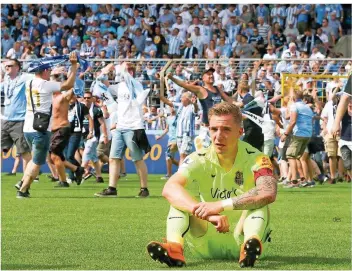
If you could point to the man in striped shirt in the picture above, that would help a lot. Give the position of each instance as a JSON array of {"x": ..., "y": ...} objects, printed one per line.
[
  {"x": 184, "y": 122},
  {"x": 264, "y": 30},
  {"x": 291, "y": 15},
  {"x": 175, "y": 43}
]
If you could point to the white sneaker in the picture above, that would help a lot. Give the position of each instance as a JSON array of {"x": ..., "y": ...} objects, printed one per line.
[{"x": 165, "y": 177}]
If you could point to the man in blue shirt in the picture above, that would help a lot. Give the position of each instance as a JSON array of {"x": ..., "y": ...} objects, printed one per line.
[
  {"x": 13, "y": 88},
  {"x": 302, "y": 17},
  {"x": 320, "y": 14},
  {"x": 301, "y": 127}
]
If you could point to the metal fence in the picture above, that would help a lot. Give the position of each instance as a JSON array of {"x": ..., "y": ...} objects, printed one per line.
[{"x": 150, "y": 71}]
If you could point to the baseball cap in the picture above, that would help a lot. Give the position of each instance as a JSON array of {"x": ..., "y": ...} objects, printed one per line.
[
  {"x": 148, "y": 39},
  {"x": 209, "y": 70}
]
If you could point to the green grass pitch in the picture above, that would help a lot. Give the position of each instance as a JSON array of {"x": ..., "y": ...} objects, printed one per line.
[{"x": 68, "y": 228}]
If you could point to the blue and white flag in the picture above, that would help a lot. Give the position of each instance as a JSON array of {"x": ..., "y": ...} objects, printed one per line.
[{"x": 44, "y": 63}]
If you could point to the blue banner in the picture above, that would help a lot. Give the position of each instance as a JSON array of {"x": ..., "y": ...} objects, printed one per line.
[{"x": 155, "y": 159}]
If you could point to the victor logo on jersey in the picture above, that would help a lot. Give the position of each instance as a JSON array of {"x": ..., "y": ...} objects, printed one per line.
[
  {"x": 224, "y": 194},
  {"x": 239, "y": 178}
]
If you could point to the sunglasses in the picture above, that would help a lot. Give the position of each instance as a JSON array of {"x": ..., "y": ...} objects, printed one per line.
[{"x": 87, "y": 98}]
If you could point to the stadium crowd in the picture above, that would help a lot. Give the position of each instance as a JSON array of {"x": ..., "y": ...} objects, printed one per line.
[
  {"x": 277, "y": 34},
  {"x": 82, "y": 83}
]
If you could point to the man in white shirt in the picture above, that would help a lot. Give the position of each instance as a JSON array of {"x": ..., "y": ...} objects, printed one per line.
[
  {"x": 186, "y": 16},
  {"x": 270, "y": 55},
  {"x": 227, "y": 85},
  {"x": 196, "y": 23},
  {"x": 291, "y": 52},
  {"x": 130, "y": 131},
  {"x": 226, "y": 14},
  {"x": 316, "y": 54},
  {"x": 181, "y": 27},
  {"x": 42, "y": 95}
]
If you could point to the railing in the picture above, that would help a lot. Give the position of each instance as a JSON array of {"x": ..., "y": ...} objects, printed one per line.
[{"x": 151, "y": 71}]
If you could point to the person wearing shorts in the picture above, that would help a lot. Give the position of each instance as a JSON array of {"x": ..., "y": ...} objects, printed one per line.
[
  {"x": 171, "y": 150},
  {"x": 42, "y": 93},
  {"x": 218, "y": 204},
  {"x": 185, "y": 122},
  {"x": 130, "y": 130},
  {"x": 14, "y": 89},
  {"x": 301, "y": 117}
]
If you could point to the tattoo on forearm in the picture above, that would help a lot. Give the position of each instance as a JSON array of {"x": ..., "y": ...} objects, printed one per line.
[{"x": 263, "y": 194}]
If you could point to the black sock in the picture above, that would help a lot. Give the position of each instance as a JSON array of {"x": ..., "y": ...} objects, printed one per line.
[
  {"x": 144, "y": 188},
  {"x": 112, "y": 188}
]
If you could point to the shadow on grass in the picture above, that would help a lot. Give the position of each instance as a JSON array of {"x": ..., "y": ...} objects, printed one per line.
[
  {"x": 279, "y": 262},
  {"x": 319, "y": 261},
  {"x": 37, "y": 267},
  {"x": 94, "y": 197}
]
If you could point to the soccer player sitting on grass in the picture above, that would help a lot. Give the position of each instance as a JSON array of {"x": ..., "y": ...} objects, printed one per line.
[{"x": 229, "y": 176}]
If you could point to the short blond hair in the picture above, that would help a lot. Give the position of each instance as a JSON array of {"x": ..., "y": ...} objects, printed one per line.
[{"x": 226, "y": 108}]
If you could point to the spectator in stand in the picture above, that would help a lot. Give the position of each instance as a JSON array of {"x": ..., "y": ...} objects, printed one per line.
[
  {"x": 150, "y": 49},
  {"x": 56, "y": 17},
  {"x": 175, "y": 42},
  {"x": 278, "y": 40},
  {"x": 233, "y": 27},
  {"x": 337, "y": 8},
  {"x": 36, "y": 25},
  {"x": 167, "y": 17},
  {"x": 227, "y": 14},
  {"x": 73, "y": 40},
  {"x": 302, "y": 13},
  {"x": 309, "y": 40},
  {"x": 17, "y": 30},
  {"x": 264, "y": 30},
  {"x": 320, "y": 13},
  {"x": 15, "y": 52},
  {"x": 66, "y": 20},
  {"x": 198, "y": 40},
  {"x": 257, "y": 41},
  {"x": 247, "y": 15},
  {"x": 270, "y": 55},
  {"x": 335, "y": 26},
  {"x": 263, "y": 12},
  {"x": 181, "y": 27},
  {"x": 211, "y": 52},
  {"x": 291, "y": 52},
  {"x": 327, "y": 30},
  {"x": 190, "y": 51},
  {"x": 87, "y": 49},
  {"x": 278, "y": 15},
  {"x": 6, "y": 43},
  {"x": 291, "y": 32},
  {"x": 223, "y": 49},
  {"x": 139, "y": 40}
]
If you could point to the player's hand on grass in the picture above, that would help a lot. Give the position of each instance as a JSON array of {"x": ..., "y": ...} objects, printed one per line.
[
  {"x": 220, "y": 222},
  {"x": 204, "y": 209}
]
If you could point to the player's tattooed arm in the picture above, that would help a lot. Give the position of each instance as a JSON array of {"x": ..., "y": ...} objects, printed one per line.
[{"x": 263, "y": 194}]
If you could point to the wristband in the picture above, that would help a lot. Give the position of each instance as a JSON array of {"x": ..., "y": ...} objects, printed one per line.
[{"x": 227, "y": 204}]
